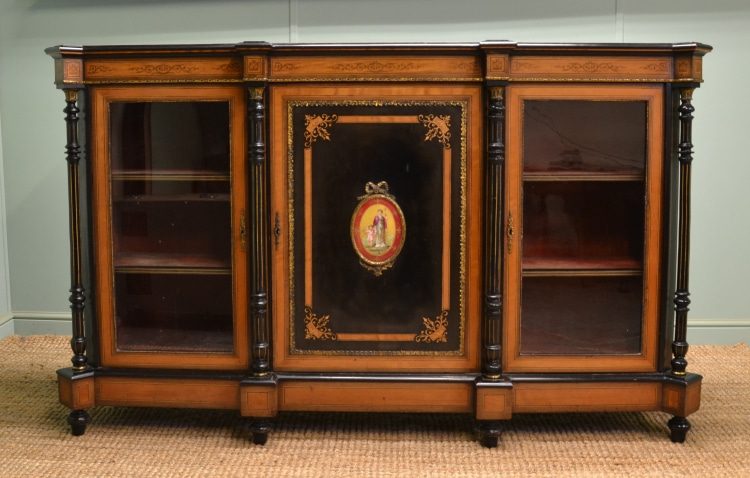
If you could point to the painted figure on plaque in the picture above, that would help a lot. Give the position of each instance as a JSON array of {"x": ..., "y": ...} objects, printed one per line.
[{"x": 380, "y": 224}]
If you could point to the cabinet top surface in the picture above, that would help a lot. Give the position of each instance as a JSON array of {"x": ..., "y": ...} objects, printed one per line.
[{"x": 426, "y": 47}]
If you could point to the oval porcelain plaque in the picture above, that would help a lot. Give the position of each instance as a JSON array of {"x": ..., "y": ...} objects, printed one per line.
[{"x": 378, "y": 228}]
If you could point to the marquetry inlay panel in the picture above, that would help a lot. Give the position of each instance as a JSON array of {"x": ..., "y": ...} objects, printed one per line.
[
  {"x": 391, "y": 68},
  {"x": 680, "y": 398},
  {"x": 158, "y": 70},
  {"x": 497, "y": 67},
  {"x": 688, "y": 68},
  {"x": 494, "y": 403},
  {"x": 555, "y": 68},
  {"x": 258, "y": 401},
  {"x": 256, "y": 68},
  {"x": 76, "y": 394}
]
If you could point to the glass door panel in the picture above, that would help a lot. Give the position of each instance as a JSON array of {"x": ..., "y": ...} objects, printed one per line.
[
  {"x": 583, "y": 225},
  {"x": 581, "y": 315},
  {"x": 168, "y": 224},
  {"x": 580, "y": 176},
  {"x": 173, "y": 311},
  {"x": 169, "y": 137},
  {"x": 587, "y": 137},
  {"x": 171, "y": 225},
  {"x": 175, "y": 181},
  {"x": 583, "y": 194}
]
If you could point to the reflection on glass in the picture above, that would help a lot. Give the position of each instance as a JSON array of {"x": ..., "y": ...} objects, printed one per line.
[
  {"x": 173, "y": 312},
  {"x": 187, "y": 137},
  {"x": 168, "y": 223},
  {"x": 583, "y": 227},
  {"x": 590, "y": 136},
  {"x": 581, "y": 315},
  {"x": 583, "y": 223},
  {"x": 171, "y": 223}
]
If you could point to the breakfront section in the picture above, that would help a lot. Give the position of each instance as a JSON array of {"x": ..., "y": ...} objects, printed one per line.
[{"x": 489, "y": 229}]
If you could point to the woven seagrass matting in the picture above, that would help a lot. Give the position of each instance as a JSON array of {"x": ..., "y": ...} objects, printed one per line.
[{"x": 35, "y": 441}]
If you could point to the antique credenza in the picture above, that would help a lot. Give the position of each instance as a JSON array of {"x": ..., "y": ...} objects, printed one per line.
[{"x": 483, "y": 228}]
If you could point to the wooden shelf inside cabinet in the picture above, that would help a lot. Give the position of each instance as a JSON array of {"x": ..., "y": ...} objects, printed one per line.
[
  {"x": 570, "y": 176},
  {"x": 169, "y": 175},
  {"x": 161, "y": 263},
  {"x": 172, "y": 199},
  {"x": 149, "y": 339},
  {"x": 569, "y": 267}
]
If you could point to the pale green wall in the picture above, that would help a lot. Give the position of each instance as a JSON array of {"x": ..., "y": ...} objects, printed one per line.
[
  {"x": 4, "y": 276},
  {"x": 33, "y": 128}
]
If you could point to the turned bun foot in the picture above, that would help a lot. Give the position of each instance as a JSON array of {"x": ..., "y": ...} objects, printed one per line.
[
  {"x": 260, "y": 430},
  {"x": 678, "y": 428},
  {"x": 489, "y": 432},
  {"x": 78, "y": 419}
]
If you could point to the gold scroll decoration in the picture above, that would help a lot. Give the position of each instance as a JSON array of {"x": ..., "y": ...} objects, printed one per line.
[
  {"x": 316, "y": 327},
  {"x": 438, "y": 127},
  {"x": 435, "y": 330},
  {"x": 316, "y": 126}
]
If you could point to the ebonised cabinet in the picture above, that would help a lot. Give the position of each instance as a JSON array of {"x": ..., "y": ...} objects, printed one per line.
[{"x": 489, "y": 228}]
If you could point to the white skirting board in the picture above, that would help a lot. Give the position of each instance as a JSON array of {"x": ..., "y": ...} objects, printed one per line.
[
  {"x": 6, "y": 325},
  {"x": 700, "y": 331}
]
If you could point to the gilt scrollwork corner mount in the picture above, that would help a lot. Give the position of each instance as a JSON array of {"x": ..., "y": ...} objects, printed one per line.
[
  {"x": 316, "y": 327},
  {"x": 438, "y": 127},
  {"x": 316, "y": 127},
  {"x": 435, "y": 330}
]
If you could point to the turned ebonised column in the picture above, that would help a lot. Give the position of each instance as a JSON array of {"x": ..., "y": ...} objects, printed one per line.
[
  {"x": 78, "y": 419},
  {"x": 493, "y": 259},
  {"x": 261, "y": 364},
  {"x": 490, "y": 430},
  {"x": 77, "y": 293},
  {"x": 682, "y": 295},
  {"x": 679, "y": 425}
]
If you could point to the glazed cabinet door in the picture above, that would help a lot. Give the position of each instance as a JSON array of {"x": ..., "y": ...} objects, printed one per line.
[
  {"x": 169, "y": 223},
  {"x": 375, "y": 204},
  {"x": 582, "y": 228}
]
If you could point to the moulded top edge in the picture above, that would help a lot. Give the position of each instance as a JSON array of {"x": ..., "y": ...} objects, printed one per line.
[
  {"x": 501, "y": 45},
  {"x": 668, "y": 47}
]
